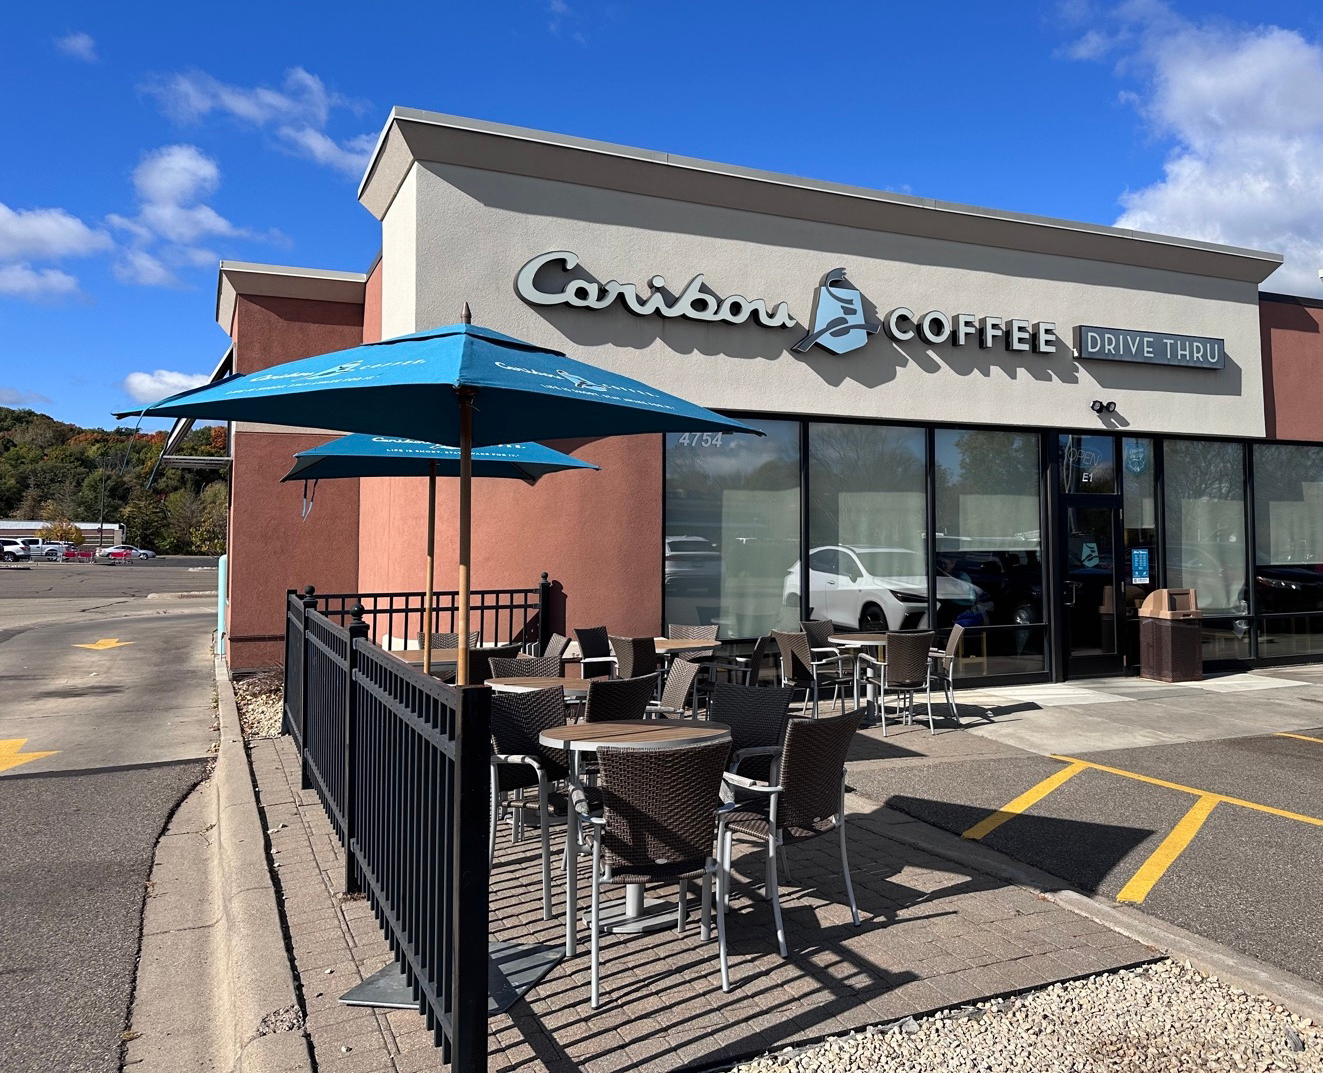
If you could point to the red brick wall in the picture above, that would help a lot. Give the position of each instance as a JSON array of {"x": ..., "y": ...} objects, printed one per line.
[
  {"x": 271, "y": 549},
  {"x": 1292, "y": 331}
]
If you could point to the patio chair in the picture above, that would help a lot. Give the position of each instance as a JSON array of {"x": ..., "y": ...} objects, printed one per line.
[
  {"x": 906, "y": 669},
  {"x": 450, "y": 640},
  {"x": 694, "y": 633},
  {"x": 595, "y": 656},
  {"x": 819, "y": 631},
  {"x": 613, "y": 699},
  {"x": 520, "y": 763},
  {"x": 480, "y": 661},
  {"x": 634, "y": 655},
  {"x": 679, "y": 695},
  {"x": 743, "y": 670},
  {"x": 943, "y": 669},
  {"x": 655, "y": 826},
  {"x": 556, "y": 645},
  {"x": 757, "y": 719},
  {"x": 525, "y": 667},
  {"x": 808, "y": 801},
  {"x": 800, "y": 670}
]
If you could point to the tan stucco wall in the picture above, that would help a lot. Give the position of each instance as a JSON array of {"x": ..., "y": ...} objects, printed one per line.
[{"x": 472, "y": 230}]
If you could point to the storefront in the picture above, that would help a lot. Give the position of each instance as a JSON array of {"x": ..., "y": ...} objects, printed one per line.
[{"x": 1016, "y": 424}]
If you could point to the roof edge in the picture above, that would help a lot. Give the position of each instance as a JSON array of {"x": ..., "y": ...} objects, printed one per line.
[{"x": 234, "y": 278}]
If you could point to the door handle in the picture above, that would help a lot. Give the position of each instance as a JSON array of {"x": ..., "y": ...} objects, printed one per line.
[{"x": 1074, "y": 587}]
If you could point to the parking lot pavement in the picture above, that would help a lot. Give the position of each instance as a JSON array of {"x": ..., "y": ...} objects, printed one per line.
[
  {"x": 105, "y": 724},
  {"x": 1223, "y": 838}
]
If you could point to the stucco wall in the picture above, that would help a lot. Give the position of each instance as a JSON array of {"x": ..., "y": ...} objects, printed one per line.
[
  {"x": 500, "y": 221},
  {"x": 1293, "y": 367},
  {"x": 598, "y": 535},
  {"x": 270, "y": 549}
]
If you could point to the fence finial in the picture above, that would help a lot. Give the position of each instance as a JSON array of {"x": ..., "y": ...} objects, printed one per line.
[
  {"x": 309, "y": 590},
  {"x": 356, "y": 612}
]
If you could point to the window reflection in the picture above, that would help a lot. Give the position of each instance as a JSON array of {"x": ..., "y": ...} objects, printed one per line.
[
  {"x": 1205, "y": 489},
  {"x": 732, "y": 529},
  {"x": 1288, "y": 520},
  {"x": 868, "y": 558}
]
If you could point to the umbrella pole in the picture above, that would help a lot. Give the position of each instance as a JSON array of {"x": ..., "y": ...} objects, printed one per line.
[
  {"x": 431, "y": 564},
  {"x": 465, "y": 524}
]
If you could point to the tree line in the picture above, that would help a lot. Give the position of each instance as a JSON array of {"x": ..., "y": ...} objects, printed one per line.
[{"x": 59, "y": 473}]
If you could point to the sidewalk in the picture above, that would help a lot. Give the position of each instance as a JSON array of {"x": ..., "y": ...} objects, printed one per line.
[{"x": 934, "y": 935}]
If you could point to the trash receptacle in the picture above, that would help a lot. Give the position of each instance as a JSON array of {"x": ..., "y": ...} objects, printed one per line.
[{"x": 1171, "y": 643}]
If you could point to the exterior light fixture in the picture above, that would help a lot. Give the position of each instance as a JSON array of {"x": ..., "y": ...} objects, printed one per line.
[{"x": 1099, "y": 407}]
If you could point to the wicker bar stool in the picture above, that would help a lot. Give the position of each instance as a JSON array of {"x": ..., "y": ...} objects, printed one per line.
[
  {"x": 808, "y": 801},
  {"x": 520, "y": 763},
  {"x": 656, "y": 825}
]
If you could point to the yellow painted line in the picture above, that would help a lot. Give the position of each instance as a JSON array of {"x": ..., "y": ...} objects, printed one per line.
[
  {"x": 989, "y": 824},
  {"x": 11, "y": 753},
  {"x": 1161, "y": 858},
  {"x": 1192, "y": 790},
  {"x": 107, "y": 642},
  {"x": 1299, "y": 737}
]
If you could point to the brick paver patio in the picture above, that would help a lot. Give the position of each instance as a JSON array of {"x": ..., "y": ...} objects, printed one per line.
[{"x": 934, "y": 935}]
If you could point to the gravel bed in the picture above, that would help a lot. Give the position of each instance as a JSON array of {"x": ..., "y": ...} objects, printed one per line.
[
  {"x": 1163, "y": 1016},
  {"x": 260, "y": 703}
]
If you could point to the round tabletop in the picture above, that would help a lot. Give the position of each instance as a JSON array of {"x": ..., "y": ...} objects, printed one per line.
[
  {"x": 858, "y": 640},
  {"x": 635, "y": 734},
  {"x": 667, "y": 645},
  {"x": 414, "y": 656},
  {"x": 575, "y": 686}
]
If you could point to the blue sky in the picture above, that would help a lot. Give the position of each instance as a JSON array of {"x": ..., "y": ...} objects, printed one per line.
[{"x": 144, "y": 142}]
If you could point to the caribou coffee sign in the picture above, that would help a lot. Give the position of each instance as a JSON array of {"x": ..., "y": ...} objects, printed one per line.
[{"x": 843, "y": 320}]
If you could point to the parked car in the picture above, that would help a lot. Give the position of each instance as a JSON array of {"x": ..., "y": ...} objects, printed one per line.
[
  {"x": 125, "y": 551},
  {"x": 875, "y": 588},
  {"x": 44, "y": 549},
  {"x": 13, "y": 551},
  {"x": 692, "y": 566}
]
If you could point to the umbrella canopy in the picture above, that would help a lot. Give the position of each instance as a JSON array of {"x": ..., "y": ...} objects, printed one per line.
[
  {"x": 389, "y": 456},
  {"x": 406, "y": 386},
  {"x": 360, "y": 455},
  {"x": 459, "y": 384}
]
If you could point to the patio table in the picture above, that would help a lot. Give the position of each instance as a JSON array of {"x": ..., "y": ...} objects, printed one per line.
[
  {"x": 877, "y": 642},
  {"x": 575, "y": 688},
  {"x": 638, "y": 913}
]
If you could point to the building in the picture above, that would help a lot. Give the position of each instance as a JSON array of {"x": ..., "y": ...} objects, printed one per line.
[
  {"x": 95, "y": 534},
  {"x": 1018, "y": 424}
]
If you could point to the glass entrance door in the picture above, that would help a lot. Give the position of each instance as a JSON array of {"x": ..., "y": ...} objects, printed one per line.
[{"x": 1093, "y": 607}]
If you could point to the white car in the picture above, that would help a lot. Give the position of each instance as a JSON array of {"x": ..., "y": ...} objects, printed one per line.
[
  {"x": 872, "y": 588},
  {"x": 125, "y": 551},
  {"x": 12, "y": 551}
]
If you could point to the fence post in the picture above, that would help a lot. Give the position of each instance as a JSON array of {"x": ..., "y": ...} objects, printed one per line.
[
  {"x": 358, "y": 630},
  {"x": 469, "y": 895},
  {"x": 543, "y": 613},
  {"x": 309, "y": 601}
]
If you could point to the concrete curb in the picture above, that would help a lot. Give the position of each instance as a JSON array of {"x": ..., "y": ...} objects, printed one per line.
[
  {"x": 260, "y": 981},
  {"x": 1239, "y": 970}
]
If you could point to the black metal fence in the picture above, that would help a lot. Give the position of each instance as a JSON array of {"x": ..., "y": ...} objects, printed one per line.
[
  {"x": 523, "y": 616},
  {"x": 400, "y": 762}
]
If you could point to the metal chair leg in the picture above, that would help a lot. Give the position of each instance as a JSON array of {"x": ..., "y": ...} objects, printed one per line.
[
  {"x": 544, "y": 822},
  {"x": 705, "y": 924},
  {"x": 845, "y": 864},
  {"x": 723, "y": 881},
  {"x": 931, "y": 728},
  {"x": 785, "y": 863},
  {"x": 595, "y": 918},
  {"x": 729, "y": 852},
  {"x": 496, "y": 816},
  {"x": 682, "y": 907},
  {"x": 776, "y": 897}
]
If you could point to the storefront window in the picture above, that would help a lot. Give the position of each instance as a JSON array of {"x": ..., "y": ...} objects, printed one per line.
[
  {"x": 868, "y": 558},
  {"x": 1139, "y": 524},
  {"x": 989, "y": 546},
  {"x": 1206, "y": 523},
  {"x": 1288, "y": 529},
  {"x": 732, "y": 530},
  {"x": 1088, "y": 464}
]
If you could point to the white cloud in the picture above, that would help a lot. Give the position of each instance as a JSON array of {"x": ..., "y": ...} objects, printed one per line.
[
  {"x": 10, "y": 396},
  {"x": 153, "y": 386},
  {"x": 78, "y": 45},
  {"x": 1243, "y": 108},
  {"x": 297, "y": 114},
  {"x": 36, "y": 284},
  {"x": 46, "y": 234},
  {"x": 171, "y": 183}
]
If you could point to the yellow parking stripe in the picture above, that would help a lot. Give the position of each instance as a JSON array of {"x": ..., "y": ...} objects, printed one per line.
[
  {"x": 1299, "y": 737},
  {"x": 989, "y": 824},
  {"x": 1191, "y": 790},
  {"x": 1161, "y": 858}
]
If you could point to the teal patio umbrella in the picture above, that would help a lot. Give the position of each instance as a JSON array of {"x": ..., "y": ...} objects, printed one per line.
[
  {"x": 458, "y": 384},
  {"x": 361, "y": 455}
]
